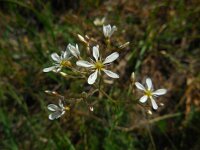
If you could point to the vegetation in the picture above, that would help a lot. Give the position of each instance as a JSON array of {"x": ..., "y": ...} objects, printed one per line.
[{"x": 164, "y": 45}]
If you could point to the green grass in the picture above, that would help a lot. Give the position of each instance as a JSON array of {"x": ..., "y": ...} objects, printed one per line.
[{"x": 164, "y": 44}]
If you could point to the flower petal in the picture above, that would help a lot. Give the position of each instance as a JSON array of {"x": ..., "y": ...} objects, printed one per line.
[
  {"x": 111, "y": 74},
  {"x": 52, "y": 107},
  {"x": 160, "y": 92},
  {"x": 96, "y": 52},
  {"x": 63, "y": 112},
  {"x": 84, "y": 63},
  {"x": 149, "y": 83},
  {"x": 77, "y": 50},
  {"x": 106, "y": 30},
  {"x": 111, "y": 58},
  {"x": 61, "y": 104},
  {"x": 59, "y": 69},
  {"x": 139, "y": 86},
  {"x": 92, "y": 78},
  {"x": 143, "y": 99},
  {"x": 153, "y": 102},
  {"x": 114, "y": 28},
  {"x": 49, "y": 69},
  {"x": 66, "y": 55},
  {"x": 74, "y": 50},
  {"x": 55, "y": 115},
  {"x": 55, "y": 57}
]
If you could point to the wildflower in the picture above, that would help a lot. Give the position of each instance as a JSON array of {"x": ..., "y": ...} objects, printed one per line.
[
  {"x": 98, "y": 65},
  {"x": 149, "y": 92},
  {"x": 99, "y": 22},
  {"x": 60, "y": 61},
  {"x": 74, "y": 50},
  {"x": 58, "y": 111},
  {"x": 108, "y": 30}
]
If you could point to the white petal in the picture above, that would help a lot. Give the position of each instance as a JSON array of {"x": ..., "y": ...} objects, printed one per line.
[
  {"x": 55, "y": 115},
  {"x": 111, "y": 74},
  {"x": 111, "y": 58},
  {"x": 153, "y": 102},
  {"x": 96, "y": 52},
  {"x": 55, "y": 57},
  {"x": 84, "y": 63},
  {"x": 92, "y": 78},
  {"x": 74, "y": 50},
  {"x": 66, "y": 55},
  {"x": 114, "y": 28},
  {"x": 63, "y": 112},
  {"x": 160, "y": 92},
  {"x": 59, "y": 69},
  {"x": 49, "y": 69},
  {"x": 139, "y": 86},
  {"x": 53, "y": 107},
  {"x": 143, "y": 99},
  {"x": 106, "y": 30},
  {"x": 60, "y": 104},
  {"x": 77, "y": 50},
  {"x": 149, "y": 83}
]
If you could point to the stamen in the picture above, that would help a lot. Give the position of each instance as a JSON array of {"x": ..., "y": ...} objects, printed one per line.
[
  {"x": 65, "y": 63},
  {"x": 148, "y": 93},
  {"x": 67, "y": 108},
  {"x": 99, "y": 65}
]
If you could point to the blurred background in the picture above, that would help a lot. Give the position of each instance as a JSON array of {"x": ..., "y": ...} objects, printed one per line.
[{"x": 164, "y": 41}]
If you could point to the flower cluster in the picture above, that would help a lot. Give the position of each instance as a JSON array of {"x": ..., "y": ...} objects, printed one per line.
[{"x": 94, "y": 68}]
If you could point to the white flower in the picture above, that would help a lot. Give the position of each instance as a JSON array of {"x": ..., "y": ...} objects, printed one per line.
[
  {"x": 58, "y": 111},
  {"x": 149, "y": 92},
  {"x": 99, "y": 22},
  {"x": 59, "y": 61},
  {"x": 98, "y": 65},
  {"x": 108, "y": 30},
  {"x": 74, "y": 50}
]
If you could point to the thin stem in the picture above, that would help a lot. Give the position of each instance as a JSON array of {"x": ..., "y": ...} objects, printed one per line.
[
  {"x": 149, "y": 131},
  {"x": 151, "y": 137},
  {"x": 105, "y": 94},
  {"x": 133, "y": 127},
  {"x": 99, "y": 85}
]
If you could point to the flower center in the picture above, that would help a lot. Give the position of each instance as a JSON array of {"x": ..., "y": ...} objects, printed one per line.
[
  {"x": 99, "y": 65},
  {"x": 65, "y": 63},
  {"x": 148, "y": 93},
  {"x": 67, "y": 108}
]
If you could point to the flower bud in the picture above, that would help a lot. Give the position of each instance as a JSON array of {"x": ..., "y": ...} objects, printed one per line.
[
  {"x": 132, "y": 76},
  {"x": 124, "y": 45}
]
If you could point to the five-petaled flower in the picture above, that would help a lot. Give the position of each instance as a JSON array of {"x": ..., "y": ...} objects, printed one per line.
[
  {"x": 74, "y": 50},
  {"x": 59, "y": 61},
  {"x": 98, "y": 65},
  {"x": 149, "y": 92},
  {"x": 58, "y": 111},
  {"x": 108, "y": 30}
]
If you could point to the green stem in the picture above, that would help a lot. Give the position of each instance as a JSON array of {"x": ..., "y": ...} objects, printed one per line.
[{"x": 99, "y": 85}]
